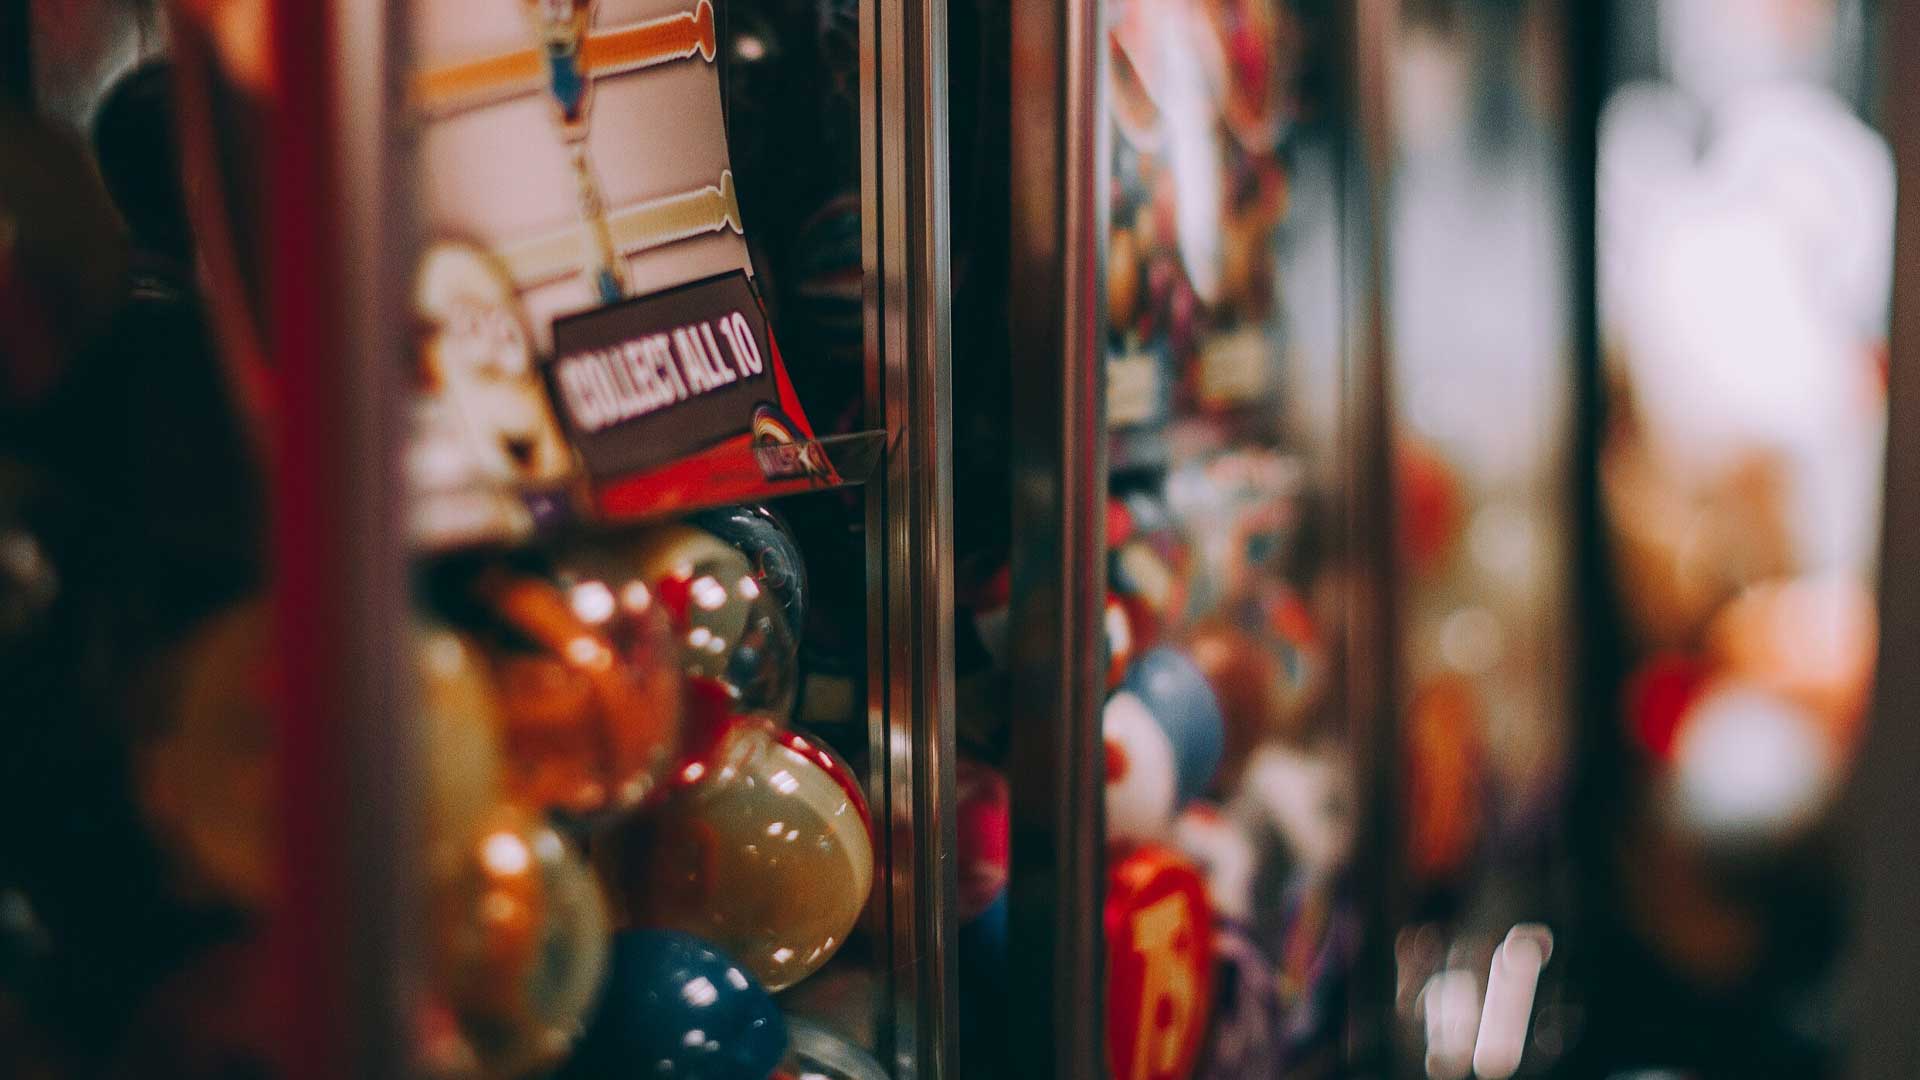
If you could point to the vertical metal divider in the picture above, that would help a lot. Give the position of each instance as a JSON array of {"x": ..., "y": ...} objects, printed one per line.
[
  {"x": 1598, "y": 662},
  {"x": 345, "y": 938},
  {"x": 16, "y": 53},
  {"x": 1058, "y": 179},
  {"x": 1882, "y": 974},
  {"x": 1371, "y": 648},
  {"x": 909, "y": 516}
]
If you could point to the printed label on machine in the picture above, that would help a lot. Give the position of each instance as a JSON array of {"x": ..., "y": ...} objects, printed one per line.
[{"x": 644, "y": 382}]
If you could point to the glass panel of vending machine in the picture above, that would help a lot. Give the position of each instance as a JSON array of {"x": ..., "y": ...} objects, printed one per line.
[
  {"x": 1744, "y": 223},
  {"x": 1478, "y": 284},
  {"x": 1168, "y": 617},
  {"x": 1230, "y": 781},
  {"x": 474, "y": 502}
]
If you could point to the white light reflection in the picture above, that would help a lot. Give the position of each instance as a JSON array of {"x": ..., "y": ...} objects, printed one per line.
[
  {"x": 505, "y": 854},
  {"x": 707, "y": 592},
  {"x": 586, "y": 652},
  {"x": 700, "y": 992},
  {"x": 749, "y": 588},
  {"x": 636, "y": 597},
  {"x": 1749, "y": 766},
  {"x": 1509, "y": 1007},
  {"x": 1451, "y": 1002},
  {"x": 783, "y": 782},
  {"x": 592, "y": 601}
]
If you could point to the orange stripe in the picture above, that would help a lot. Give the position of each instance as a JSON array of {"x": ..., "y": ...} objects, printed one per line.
[
  {"x": 672, "y": 38},
  {"x": 656, "y": 41},
  {"x": 477, "y": 77}
]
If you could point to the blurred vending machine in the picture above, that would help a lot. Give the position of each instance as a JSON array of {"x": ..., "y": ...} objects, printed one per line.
[{"x": 1736, "y": 416}]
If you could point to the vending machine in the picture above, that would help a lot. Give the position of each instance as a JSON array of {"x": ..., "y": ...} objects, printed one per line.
[
  {"x": 1744, "y": 228},
  {"x": 1155, "y": 539},
  {"x": 477, "y": 510}
]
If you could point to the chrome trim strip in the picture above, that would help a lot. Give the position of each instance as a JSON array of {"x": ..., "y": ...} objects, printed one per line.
[
  {"x": 907, "y": 302},
  {"x": 1057, "y": 308}
]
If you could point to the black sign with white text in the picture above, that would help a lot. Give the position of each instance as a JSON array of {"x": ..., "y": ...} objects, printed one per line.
[{"x": 642, "y": 383}]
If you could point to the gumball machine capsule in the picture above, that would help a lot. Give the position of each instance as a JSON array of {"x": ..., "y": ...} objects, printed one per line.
[
  {"x": 771, "y": 549},
  {"x": 675, "y": 1006},
  {"x": 763, "y": 848},
  {"x": 590, "y": 697},
  {"x": 207, "y": 781},
  {"x": 519, "y": 946},
  {"x": 733, "y": 627},
  {"x": 462, "y": 716}
]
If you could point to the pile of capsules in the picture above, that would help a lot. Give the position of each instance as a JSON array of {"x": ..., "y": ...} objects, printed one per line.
[
  {"x": 1228, "y": 811},
  {"x": 627, "y": 851}
]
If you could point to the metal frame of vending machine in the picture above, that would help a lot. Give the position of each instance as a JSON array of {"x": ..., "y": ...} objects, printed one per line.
[
  {"x": 909, "y": 335},
  {"x": 342, "y": 213},
  {"x": 1883, "y": 965},
  {"x": 1058, "y": 229}
]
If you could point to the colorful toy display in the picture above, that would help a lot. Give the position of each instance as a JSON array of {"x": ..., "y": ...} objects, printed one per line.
[
  {"x": 763, "y": 848},
  {"x": 1122, "y": 640},
  {"x": 675, "y": 1006}
]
